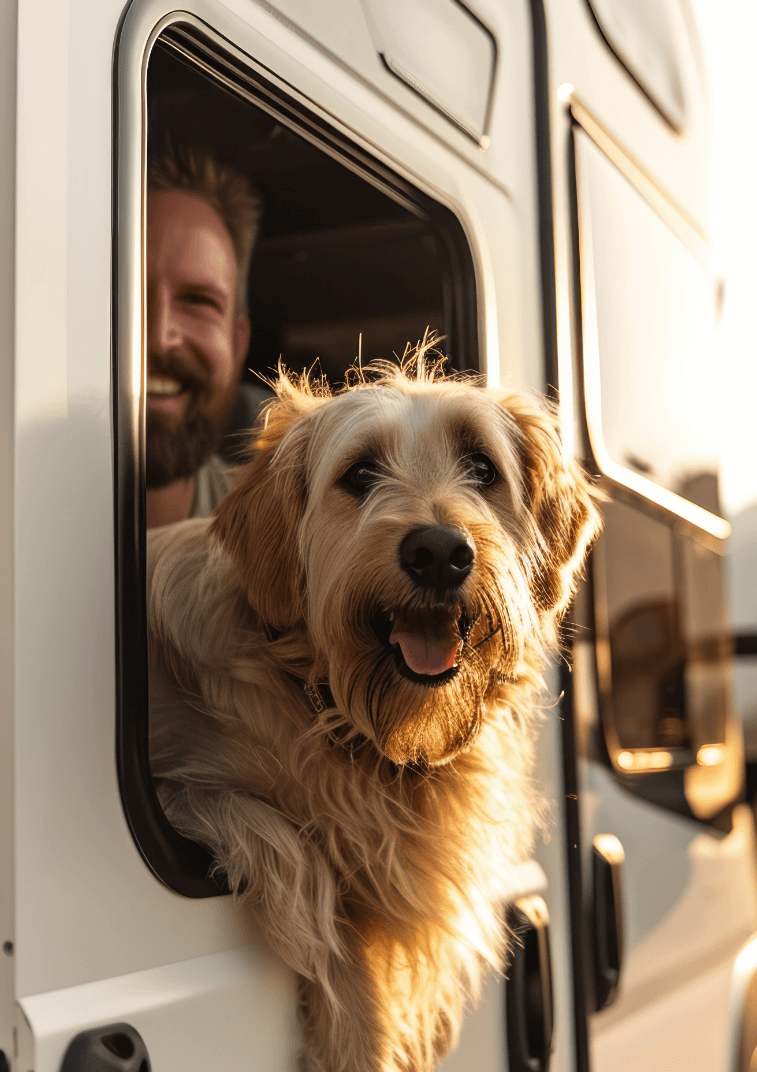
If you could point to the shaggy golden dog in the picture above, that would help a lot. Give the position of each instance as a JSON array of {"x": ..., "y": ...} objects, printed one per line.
[{"x": 346, "y": 665}]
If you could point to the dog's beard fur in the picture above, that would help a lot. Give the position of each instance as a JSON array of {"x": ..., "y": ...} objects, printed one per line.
[
  {"x": 376, "y": 838},
  {"x": 412, "y": 721}
]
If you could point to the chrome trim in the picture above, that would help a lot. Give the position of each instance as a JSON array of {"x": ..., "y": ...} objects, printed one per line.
[
  {"x": 669, "y": 211},
  {"x": 744, "y": 970},
  {"x": 315, "y": 136},
  {"x": 158, "y": 843},
  {"x": 699, "y": 519}
]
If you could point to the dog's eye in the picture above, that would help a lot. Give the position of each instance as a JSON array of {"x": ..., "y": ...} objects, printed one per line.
[
  {"x": 359, "y": 478},
  {"x": 481, "y": 469}
]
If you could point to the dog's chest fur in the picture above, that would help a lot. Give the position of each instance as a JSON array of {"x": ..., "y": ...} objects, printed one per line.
[
  {"x": 250, "y": 727},
  {"x": 411, "y": 545}
]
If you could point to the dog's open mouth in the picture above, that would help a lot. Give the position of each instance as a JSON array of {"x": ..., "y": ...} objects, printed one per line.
[{"x": 426, "y": 646}]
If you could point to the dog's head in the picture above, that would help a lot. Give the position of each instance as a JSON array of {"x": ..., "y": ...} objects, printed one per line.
[{"x": 427, "y": 534}]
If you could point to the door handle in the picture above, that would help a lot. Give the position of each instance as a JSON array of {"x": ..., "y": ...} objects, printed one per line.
[
  {"x": 528, "y": 1000},
  {"x": 113, "y": 1048},
  {"x": 607, "y": 922}
]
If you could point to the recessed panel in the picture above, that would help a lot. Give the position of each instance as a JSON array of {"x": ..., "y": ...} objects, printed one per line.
[
  {"x": 441, "y": 51},
  {"x": 648, "y": 36}
]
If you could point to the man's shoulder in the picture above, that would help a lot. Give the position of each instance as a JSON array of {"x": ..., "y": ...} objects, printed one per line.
[{"x": 213, "y": 481}]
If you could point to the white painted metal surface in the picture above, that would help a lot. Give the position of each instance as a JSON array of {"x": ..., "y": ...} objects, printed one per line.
[
  {"x": 690, "y": 891},
  {"x": 236, "y": 1008},
  {"x": 95, "y": 936},
  {"x": 7, "y": 199}
]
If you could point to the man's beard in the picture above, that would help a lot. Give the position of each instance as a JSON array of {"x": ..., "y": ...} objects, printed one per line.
[{"x": 176, "y": 448}]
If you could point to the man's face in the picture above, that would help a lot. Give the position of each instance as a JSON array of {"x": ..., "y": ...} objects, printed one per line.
[{"x": 196, "y": 342}]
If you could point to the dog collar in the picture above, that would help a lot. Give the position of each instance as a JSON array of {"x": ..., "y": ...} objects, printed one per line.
[{"x": 318, "y": 693}]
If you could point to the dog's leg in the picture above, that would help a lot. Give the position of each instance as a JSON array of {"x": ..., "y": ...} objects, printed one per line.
[
  {"x": 348, "y": 1034},
  {"x": 395, "y": 1012},
  {"x": 422, "y": 981},
  {"x": 288, "y": 882}
]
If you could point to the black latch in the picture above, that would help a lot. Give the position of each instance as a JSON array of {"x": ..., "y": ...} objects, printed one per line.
[
  {"x": 607, "y": 922},
  {"x": 113, "y": 1048},
  {"x": 529, "y": 1007}
]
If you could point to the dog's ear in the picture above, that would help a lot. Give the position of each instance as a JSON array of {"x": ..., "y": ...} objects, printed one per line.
[
  {"x": 559, "y": 496},
  {"x": 258, "y": 521}
]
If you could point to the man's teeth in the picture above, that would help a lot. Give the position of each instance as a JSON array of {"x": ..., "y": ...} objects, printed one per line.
[{"x": 163, "y": 385}]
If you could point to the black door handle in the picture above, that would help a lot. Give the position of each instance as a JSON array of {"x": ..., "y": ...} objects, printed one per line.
[
  {"x": 607, "y": 922},
  {"x": 529, "y": 1008},
  {"x": 113, "y": 1048}
]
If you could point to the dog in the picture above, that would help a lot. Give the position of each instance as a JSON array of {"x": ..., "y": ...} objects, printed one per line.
[{"x": 345, "y": 673}]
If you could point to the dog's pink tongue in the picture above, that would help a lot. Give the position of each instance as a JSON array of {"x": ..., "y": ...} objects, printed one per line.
[{"x": 427, "y": 651}]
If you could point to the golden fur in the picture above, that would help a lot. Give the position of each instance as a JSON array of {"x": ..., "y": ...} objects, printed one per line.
[{"x": 375, "y": 838}]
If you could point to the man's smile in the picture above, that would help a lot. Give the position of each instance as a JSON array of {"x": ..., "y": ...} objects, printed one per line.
[
  {"x": 166, "y": 394},
  {"x": 164, "y": 386}
]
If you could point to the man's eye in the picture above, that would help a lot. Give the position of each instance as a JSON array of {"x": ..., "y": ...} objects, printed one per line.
[
  {"x": 481, "y": 469},
  {"x": 202, "y": 300},
  {"x": 359, "y": 478}
]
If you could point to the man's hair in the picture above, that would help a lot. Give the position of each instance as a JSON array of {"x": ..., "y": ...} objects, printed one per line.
[{"x": 238, "y": 203}]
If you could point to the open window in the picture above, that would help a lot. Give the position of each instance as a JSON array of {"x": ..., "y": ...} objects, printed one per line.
[{"x": 349, "y": 257}]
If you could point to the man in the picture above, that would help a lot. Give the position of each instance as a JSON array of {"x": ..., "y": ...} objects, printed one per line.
[{"x": 202, "y": 222}]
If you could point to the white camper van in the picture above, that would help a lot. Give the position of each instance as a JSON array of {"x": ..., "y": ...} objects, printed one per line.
[{"x": 530, "y": 177}]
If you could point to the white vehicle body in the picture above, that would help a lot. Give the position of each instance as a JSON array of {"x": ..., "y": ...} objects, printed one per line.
[{"x": 92, "y": 936}]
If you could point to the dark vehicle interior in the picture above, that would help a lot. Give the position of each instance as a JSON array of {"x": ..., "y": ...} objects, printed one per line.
[{"x": 341, "y": 267}]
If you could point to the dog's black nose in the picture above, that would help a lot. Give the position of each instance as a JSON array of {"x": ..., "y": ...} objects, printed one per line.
[{"x": 438, "y": 557}]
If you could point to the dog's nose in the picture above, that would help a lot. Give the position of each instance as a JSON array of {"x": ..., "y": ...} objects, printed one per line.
[{"x": 438, "y": 557}]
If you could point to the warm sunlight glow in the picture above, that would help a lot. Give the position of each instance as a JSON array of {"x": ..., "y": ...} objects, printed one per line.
[
  {"x": 709, "y": 755},
  {"x": 610, "y": 847},
  {"x": 639, "y": 761},
  {"x": 729, "y": 29}
]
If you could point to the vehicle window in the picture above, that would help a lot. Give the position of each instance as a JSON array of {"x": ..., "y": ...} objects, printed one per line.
[
  {"x": 662, "y": 641},
  {"x": 648, "y": 338},
  {"x": 665, "y": 653},
  {"x": 652, "y": 630},
  {"x": 346, "y": 259}
]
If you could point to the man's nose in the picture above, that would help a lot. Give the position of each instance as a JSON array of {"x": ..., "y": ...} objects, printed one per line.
[{"x": 163, "y": 330}]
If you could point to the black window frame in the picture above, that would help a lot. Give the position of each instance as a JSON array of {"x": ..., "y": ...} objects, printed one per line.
[{"x": 178, "y": 862}]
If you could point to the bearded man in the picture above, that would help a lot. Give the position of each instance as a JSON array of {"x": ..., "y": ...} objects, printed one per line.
[{"x": 202, "y": 222}]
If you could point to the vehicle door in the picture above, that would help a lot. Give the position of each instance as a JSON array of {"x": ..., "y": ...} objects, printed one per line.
[
  {"x": 115, "y": 936},
  {"x": 661, "y": 848}
]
